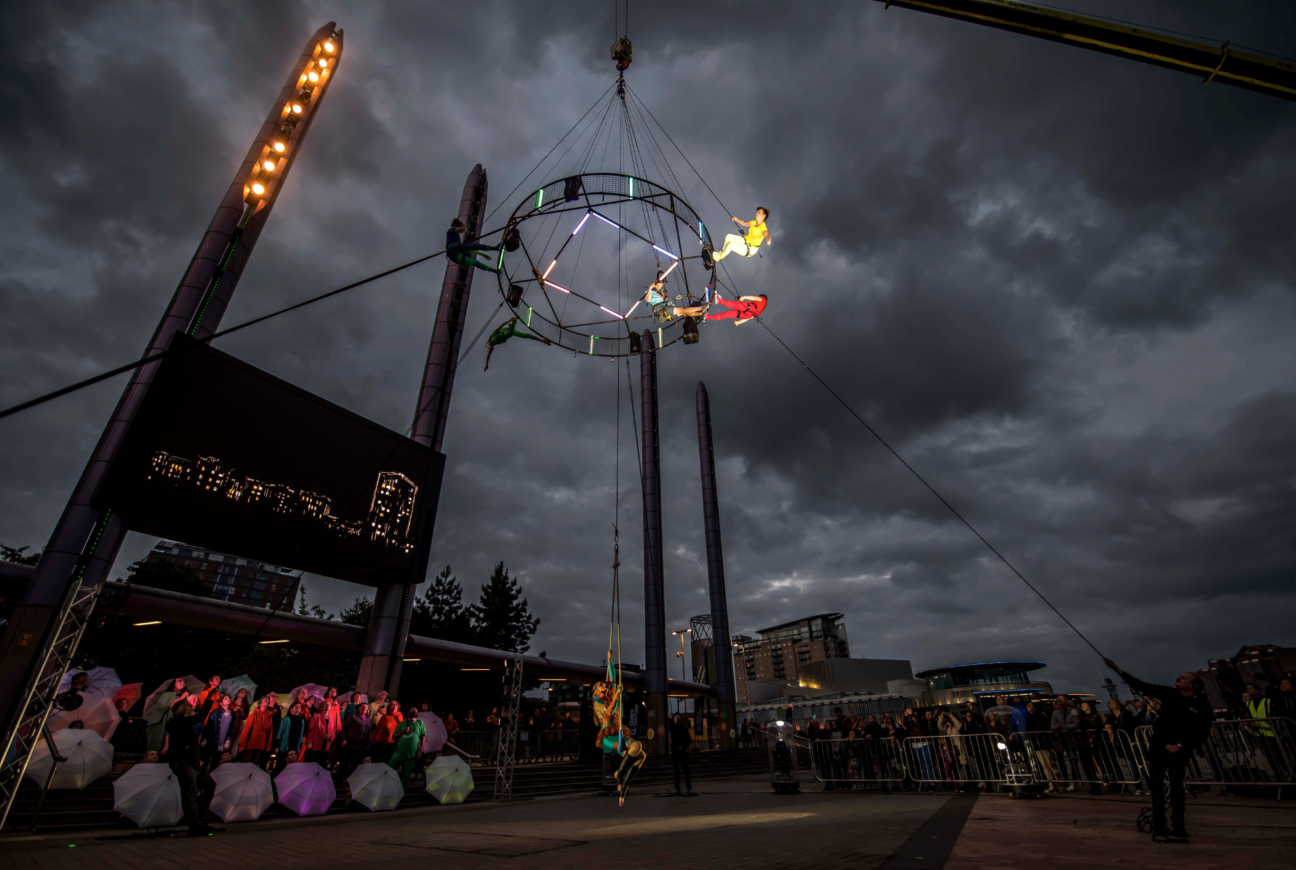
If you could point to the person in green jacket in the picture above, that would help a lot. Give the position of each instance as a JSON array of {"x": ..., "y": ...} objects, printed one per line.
[{"x": 409, "y": 746}]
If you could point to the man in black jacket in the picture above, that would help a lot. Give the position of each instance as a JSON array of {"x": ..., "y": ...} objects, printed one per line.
[
  {"x": 1182, "y": 725},
  {"x": 681, "y": 738}
]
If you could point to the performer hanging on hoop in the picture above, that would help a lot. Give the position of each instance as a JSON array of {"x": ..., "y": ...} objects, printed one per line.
[
  {"x": 748, "y": 245},
  {"x": 465, "y": 253},
  {"x": 743, "y": 311}
]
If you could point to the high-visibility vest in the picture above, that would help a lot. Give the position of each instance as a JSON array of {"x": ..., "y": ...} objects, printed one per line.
[{"x": 1260, "y": 711}]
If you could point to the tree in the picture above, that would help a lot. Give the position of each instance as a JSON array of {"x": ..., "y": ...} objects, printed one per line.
[
  {"x": 18, "y": 555},
  {"x": 441, "y": 613},
  {"x": 169, "y": 576},
  {"x": 303, "y": 609},
  {"x": 501, "y": 618},
  {"x": 358, "y": 613}
]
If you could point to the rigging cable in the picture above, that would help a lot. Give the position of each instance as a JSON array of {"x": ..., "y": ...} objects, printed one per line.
[{"x": 853, "y": 413}]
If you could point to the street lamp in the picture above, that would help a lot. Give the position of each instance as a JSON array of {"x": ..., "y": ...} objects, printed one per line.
[{"x": 683, "y": 674}]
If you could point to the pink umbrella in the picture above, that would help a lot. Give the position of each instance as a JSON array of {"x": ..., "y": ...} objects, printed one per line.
[
  {"x": 436, "y": 732},
  {"x": 306, "y": 789},
  {"x": 130, "y": 694}
]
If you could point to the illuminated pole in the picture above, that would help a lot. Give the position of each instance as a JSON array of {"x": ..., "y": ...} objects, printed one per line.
[
  {"x": 388, "y": 630},
  {"x": 720, "y": 640},
  {"x": 654, "y": 584},
  {"x": 85, "y": 540},
  {"x": 679, "y": 706}
]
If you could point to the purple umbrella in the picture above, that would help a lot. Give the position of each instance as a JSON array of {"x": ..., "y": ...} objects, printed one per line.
[{"x": 306, "y": 789}]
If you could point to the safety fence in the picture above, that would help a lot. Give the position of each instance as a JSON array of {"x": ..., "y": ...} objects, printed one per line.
[
  {"x": 533, "y": 747},
  {"x": 1057, "y": 759},
  {"x": 1238, "y": 754}
]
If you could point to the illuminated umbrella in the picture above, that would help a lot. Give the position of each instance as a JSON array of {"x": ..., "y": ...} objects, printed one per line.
[
  {"x": 243, "y": 792},
  {"x": 148, "y": 795},
  {"x": 344, "y": 698},
  {"x": 449, "y": 780},
  {"x": 436, "y": 732},
  {"x": 233, "y": 684},
  {"x": 100, "y": 682},
  {"x": 306, "y": 789},
  {"x": 88, "y": 756},
  {"x": 130, "y": 693},
  {"x": 97, "y": 713},
  {"x": 314, "y": 693},
  {"x": 192, "y": 683},
  {"x": 376, "y": 787}
]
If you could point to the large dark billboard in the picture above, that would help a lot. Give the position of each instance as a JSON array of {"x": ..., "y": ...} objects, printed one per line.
[{"x": 226, "y": 456}]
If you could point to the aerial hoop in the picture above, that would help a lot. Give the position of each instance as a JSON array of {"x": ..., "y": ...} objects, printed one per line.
[{"x": 656, "y": 233}]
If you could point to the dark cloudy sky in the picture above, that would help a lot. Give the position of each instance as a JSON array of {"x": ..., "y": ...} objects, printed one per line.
[{"x": 1059, "y": 283}]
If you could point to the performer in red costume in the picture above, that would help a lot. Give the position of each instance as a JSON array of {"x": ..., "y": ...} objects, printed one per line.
[{"x": 746, "y": 309}]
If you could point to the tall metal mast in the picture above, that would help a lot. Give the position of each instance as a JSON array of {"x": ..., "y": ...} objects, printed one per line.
[{"x": 86, "y": 540}]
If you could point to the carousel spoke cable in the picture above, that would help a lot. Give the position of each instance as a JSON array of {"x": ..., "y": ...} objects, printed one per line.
[
  {"x": 509, "y": 196},
  {"x": 924, "y": 482}
]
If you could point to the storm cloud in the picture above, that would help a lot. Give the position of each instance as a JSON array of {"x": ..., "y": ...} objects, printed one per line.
[{"x": 1058, "y": 283}]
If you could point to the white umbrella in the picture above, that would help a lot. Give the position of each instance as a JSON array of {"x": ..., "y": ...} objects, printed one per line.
[
  {"x": 88, "y": 756},
  {"x": 344, "y": 698},
  {"x": 449, "y": 780},
  {"x": 436, "y": 732},
  {"x": 376, "y": 787},
  {"x": 306, "y": 789},
  {"x": 100, "y": 682},
  {"x": 243, "y": 792},
  {"x": 148, "y": 795},
  {"x": 97, "y": 713}
]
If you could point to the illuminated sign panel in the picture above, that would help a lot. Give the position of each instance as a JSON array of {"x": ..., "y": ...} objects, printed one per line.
[{"x": 225, "y": 456}]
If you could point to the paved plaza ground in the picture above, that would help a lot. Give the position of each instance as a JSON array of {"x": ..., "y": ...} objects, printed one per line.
[{"x": 734, "y": 823}]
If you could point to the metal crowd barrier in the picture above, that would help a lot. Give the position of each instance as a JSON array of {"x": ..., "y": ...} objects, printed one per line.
[
  {"x": 533, "y": 747},
  {"x": 857, "y": 761},
  {"x": 1240, "y": 752},
  {"x": 1046, "y": 758},
  {"x": 1079, "y": 757}
]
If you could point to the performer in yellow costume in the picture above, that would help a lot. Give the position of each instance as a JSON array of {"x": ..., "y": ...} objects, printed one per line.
[{"x": 748, "y": 245}]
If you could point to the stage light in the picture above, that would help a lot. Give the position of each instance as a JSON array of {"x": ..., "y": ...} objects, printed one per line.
[
  {"x": 328, "y": 46},
  {"x": 278, "y": 146},
  {"x": 323, "y": 62},
  {"x": 295, "y": 107},
  {"x": 313, "y": 76},
  {"x": 258, "y": 188},
  {"x": 153, "y": 622},
  {"x": 269, "y": 166}
]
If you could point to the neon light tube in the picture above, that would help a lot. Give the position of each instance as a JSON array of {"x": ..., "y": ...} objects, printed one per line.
[
  {"x": 606, "y": 221},
  {"x": 631, "y": 311},
  {"x": 582, "y": 223},
  {"x": 591, "y": 350},
  {"x": 555, "y": 286},
  {"x": 632, "y": 188},
  {"x": 613, "y": 313},
  {"x": 550, "y": 269},
  {"x": 671, "y": 269},
  {"x": 500, "y": 264},
  {"x": 701, "y": 231},
  {"x": 666, "y": 252},
  {"x": 539, "y": 197}
]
